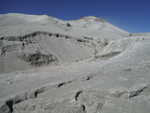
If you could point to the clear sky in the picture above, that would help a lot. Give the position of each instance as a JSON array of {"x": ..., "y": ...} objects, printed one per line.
[{"x": 131, "y": 15}]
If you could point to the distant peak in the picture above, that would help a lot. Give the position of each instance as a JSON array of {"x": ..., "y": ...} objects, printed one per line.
[
  {"x": 92, "y": 18},
  {"x": 89, "y": 17}
]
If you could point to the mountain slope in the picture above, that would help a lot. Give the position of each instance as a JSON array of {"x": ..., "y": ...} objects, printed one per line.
[
  {"x": 23, "y": 35},
  {"x": 20, "y": 24},
  {"x": 48, "y": 65}
]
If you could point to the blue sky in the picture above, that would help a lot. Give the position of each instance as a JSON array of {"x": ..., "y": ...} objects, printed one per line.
[{"x": 131, "y": 15}]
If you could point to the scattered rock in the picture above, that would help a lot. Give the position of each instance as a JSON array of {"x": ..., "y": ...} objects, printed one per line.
[
  {"x": 35, "y": 93},
  {"x": 137, "y": 92},
  {"x": 68, "y": 25},
  {"x": 63, "y": 83},
  {"x": 77, "y": 95},
  {"x": 38, "y": 59},
  {"x": 86, "y": 78},
  {"x": 4, "y": 108}
]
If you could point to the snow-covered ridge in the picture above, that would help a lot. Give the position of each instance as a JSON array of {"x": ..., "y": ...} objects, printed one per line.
[
  {"x": 90, "y": 19},
  {"x": 16, "y": 24}
]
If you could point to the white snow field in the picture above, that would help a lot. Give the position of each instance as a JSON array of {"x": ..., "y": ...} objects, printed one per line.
[{"x": 48, "y": 65}]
